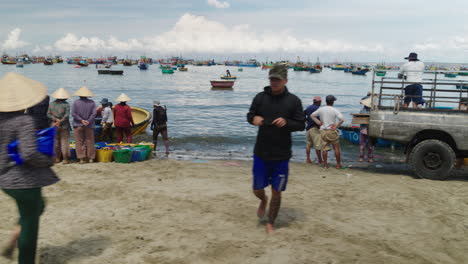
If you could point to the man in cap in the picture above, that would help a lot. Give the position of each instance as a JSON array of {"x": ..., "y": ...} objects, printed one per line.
[
  {"x": 313, "y": 138},
  {"x": 59, "y": 113},
  {"x": 84, "y": 113},
  {"x": 413, "y": 71},
  {"x": 159, "y": 125},
  {"x": 277, "y": 113},
  {"x": 326, "y": 117}
]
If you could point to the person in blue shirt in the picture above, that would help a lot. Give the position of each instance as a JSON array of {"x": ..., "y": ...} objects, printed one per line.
[{"x": 313, "y": 138}]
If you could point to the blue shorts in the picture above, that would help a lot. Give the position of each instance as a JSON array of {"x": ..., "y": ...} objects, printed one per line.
[
  {"x": 413, "y": 93},
  {"x": 266, "y": 172}
]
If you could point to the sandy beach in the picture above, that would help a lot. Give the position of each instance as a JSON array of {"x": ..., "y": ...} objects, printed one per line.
[{"x": 167, "y": 211}]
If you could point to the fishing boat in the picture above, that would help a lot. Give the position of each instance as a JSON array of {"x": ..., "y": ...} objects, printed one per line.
[
  {"x": 359, "y": 72},
  {"x": 380, "y": 73},
  {"x": 224, "y": 77},
  {"x": 352, "y": 134},
  {"x": 143, "y": 66},
  {"x": 450, "y": 74},
  {"x": 240, "y": 69},
  {"x": 83, "y": 63},
  {"x": 142, "y": 119},
  {"x": 127, "y": 63},
  {"x": 338, "y": 67},
  {"x": 314, "y": 70},
  {"x": 111, "y": 72},
  {"x": 48, "y": 62},
  {"x": 167, "y": 71},
  {"x": 19, "y": 64},
  {"x": 183, "y": 69},
  {"x": 222, "y": 84},
  {"x": 462, "y": 86}
]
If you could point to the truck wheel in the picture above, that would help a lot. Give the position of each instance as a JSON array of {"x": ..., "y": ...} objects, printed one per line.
[{"x": 432, "y": 159}]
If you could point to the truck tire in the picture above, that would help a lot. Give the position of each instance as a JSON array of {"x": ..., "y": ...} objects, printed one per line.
[{"x": 432, "y": 159}]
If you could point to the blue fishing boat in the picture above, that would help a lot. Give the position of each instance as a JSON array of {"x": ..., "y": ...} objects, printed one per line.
[
  {"x": 359, "y": 72},
  {"x": 314, "y": 70},
  {"x": 143, "y": 66},
  {"x": 462, "y": 86},
  {"x": 352, "y": 134}
]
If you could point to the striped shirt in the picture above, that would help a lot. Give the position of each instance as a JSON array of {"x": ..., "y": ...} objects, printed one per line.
[{"x": 35, "y": 172}]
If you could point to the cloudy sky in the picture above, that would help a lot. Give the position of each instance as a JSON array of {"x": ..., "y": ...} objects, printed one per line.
[{"x": 334, "y": 30}]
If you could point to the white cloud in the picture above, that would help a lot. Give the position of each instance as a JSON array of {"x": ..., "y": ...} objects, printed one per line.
[
  {"x": 199, "y": 35},
  {"x": 13, "y": 41},
  {"x": 218, "y": 4}
]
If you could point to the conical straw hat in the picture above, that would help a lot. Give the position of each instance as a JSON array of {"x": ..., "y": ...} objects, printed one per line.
[
  {"x": 83, "y": 92},
  {"x": 61, "y": 94},
  {"x": 123, "y": 98},
  {"x": 18, "y": 92}
]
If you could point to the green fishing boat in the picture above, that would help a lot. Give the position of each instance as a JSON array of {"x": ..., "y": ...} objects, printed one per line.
[{"x": 167, "y": 71}]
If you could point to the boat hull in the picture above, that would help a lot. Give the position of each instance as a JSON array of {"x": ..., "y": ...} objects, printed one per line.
[
  {"x": 111, "y": 72},
  {"x": 222, "y": 84}
]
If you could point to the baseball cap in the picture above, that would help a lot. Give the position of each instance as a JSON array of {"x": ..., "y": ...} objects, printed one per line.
[
  {"x": 330, "y": 98},
  {"x": 279, "y": 71}
]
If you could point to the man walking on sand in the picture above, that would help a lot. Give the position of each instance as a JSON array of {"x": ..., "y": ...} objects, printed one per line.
[
  {"x": 277, "y": 113},
  {"x": 326, "y": 118}
]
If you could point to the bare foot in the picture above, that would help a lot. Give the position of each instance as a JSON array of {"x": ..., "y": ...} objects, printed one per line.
[
  {"x": 270, "y": 229},
  {"x": 308, "y": 161},
  {"x": 339, "y": 166},
  {"x": 8, "y": 252},
  {"x": 91, "y": 161},
  {"x": 57, "y": 160},
  {"x": 370, "y": 161},
  {"x": 325, "y": 166},
  {"x": 262, "y": 208},
  {"x": 65, "y": 162},
  {"x": 361, "y": 160},
  {"x": 167, "y": 153},
  {"x": 82, "y": 161}
]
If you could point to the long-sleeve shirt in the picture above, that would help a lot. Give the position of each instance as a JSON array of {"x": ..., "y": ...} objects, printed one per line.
[
  {"x": 84, "y": 109},
  {"x": 35, "y": 172},
  {"x": 123, "y": 116},
  {"x": 60, "y": 109},
  {"x": 274, "y": 143},
  {"x": 107, "y": 116}
]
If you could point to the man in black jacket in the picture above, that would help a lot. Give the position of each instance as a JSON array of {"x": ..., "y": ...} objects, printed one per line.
[{"x": 277, "y": 113}]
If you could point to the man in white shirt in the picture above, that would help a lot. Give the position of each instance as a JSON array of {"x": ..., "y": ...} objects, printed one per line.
[
  {"x": 413, "y": 70},
  {"x": 328, "y": 129}
]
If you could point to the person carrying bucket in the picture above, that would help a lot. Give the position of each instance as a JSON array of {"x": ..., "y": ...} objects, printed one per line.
[{"x": 23, "y": 182}]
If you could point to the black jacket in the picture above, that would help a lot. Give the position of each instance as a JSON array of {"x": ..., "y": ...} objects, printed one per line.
[{"x": 274, "y": 143}]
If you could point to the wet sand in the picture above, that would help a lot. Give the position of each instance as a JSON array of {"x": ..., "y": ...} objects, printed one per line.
[{"x": 167, "y": 211}]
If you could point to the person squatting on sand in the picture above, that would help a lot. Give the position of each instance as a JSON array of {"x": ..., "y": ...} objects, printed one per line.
[
  {"x": 84, "y": 113},
  {"x": 159, "y": 125},
  {"x": 59, "y": 114},
  {"x": 313, "y": 138},
  {"x": 123, "y": 119},
  {"x": 23, "y": 182},
  {"x": 326, "y": 118},
  {"x": 277, "y": 113}
]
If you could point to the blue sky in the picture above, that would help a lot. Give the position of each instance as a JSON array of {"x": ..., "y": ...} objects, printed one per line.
[{"x": 353, "y": 30}]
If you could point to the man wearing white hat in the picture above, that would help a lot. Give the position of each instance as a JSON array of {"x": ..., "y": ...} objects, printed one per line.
[
  {"x": 84, "y": 114},
  {"x": 59, "y": 113},
  {"x": 23, "y": 182},
  {"x": 123, "y": 119}
]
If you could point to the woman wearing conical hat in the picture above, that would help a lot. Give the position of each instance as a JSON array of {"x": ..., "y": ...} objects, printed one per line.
[
  {"x": 123, "y": 119},
  {"x": 84, "y": 114},
  {"x": 23, "y": 182},
  {"x": 59, "y": 113}
]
